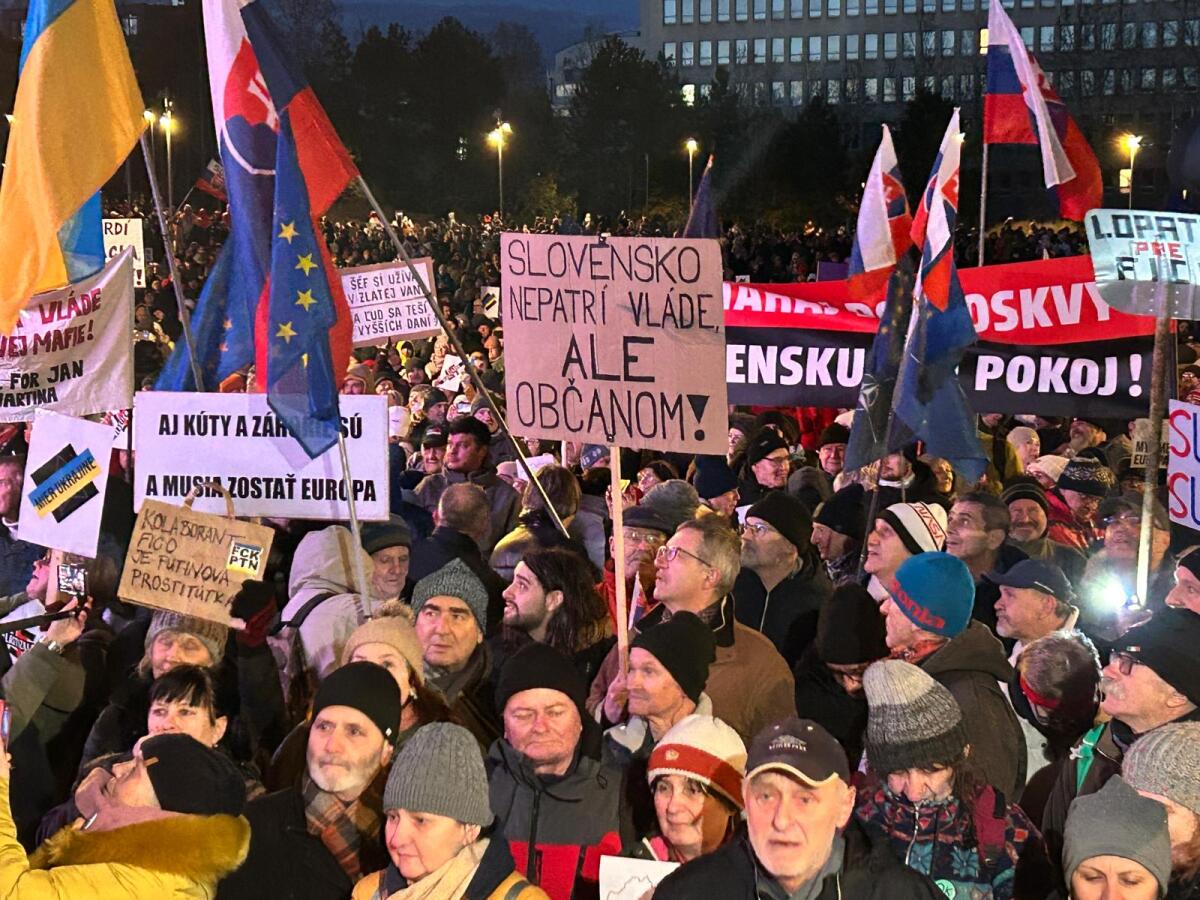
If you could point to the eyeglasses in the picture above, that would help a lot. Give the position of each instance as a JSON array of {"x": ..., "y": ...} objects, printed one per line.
[
  {"x": 1128, "y": 521},
  {"x": 669, "y": 553},
  {"x": 776, "y": 462},
  {"x": 1124, "y": 661},
  {"x": 643, "y": 537},
  {"x": 759, "y": 530}
]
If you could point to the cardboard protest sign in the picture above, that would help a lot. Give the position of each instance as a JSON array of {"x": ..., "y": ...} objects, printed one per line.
[
  {"x": 1141, "y": 444},
  {"x": 70, "y": 351},
  {"x": 387, "y": 303},
  {"x": 1047, "y": 341},
  {"x": 1146, "y": 261},
  {"x": 191, "y": 562},
  {"x": 625, "y": 878},
  {"x": 120, "y": 234},
  {"x": 66, "y": 474},
  {"x": 1183, "y": 463},
  {"x": 236, "y": 441},
  {"x": 615, "y": 341}
]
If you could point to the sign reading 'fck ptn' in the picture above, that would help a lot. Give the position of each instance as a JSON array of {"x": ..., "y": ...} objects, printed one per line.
[{"x": 615, "y": 341}]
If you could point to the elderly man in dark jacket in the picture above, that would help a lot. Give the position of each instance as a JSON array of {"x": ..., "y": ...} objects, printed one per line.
[
  {"x": 799, "y": 840},
  {"x": 558, "y": 806},
  {"x": 313, "y": 841},
  {"x": 782, "y": 583},
  {"x": 929, "y": 624}
]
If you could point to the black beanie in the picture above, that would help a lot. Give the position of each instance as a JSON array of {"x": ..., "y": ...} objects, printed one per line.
[
  {"x": 787, "y": 515},
  {"x": 845, "y": 512},
  {"x": 713, "y": 477},
  {"x": 686, "y": 648},
  {"x": 834, "y": 433},
  {"x": 368, "y": 688},
  {"x": 1025, "y": 487},
  {"x": 764, "y": 442},
  {"x": 850, "y": 629},
  {"x": 191, "y": 778},
  {"x": 539, "y": 665}
]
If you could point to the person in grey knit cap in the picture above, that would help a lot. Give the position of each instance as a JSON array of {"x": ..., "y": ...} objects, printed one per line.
[
  {"x": 1116, "y": 845},
  {"x": 925, "y": 799},
  {"x": 451, "y": 620},
  {"x": 438, "y": 816},
  {"x": 1164, "y": 765},
  {"x": 174, "y": 639}
]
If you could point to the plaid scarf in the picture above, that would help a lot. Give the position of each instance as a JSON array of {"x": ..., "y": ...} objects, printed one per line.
[{"x": 342, "y": 827}]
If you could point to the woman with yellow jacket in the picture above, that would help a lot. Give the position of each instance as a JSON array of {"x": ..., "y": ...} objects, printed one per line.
[
  {"x": 436, "y": 801},
  {"x": 170, "y": 826}
]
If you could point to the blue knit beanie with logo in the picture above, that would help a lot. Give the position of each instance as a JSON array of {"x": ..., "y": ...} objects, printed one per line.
[{"x": 936, "y": 592}]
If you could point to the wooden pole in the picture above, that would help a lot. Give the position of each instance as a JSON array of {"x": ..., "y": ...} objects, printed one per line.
[
  {"x": 184, "y": 320},
  {"x": 360, "y": 575},
  {"x": 618, "y": 515},
  {"x": 983, "y": 174},
  {"x": 1158, "y": 404}
]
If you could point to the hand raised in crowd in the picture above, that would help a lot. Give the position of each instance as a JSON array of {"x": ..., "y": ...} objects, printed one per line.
[
  {"x": 616, "y": 699},
  {"x": 67, "y": 630}
]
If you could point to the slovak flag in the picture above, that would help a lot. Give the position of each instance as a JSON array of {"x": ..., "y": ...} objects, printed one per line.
[
  {"x": 1020, "y": 107},
  {"x": 931, "y": 403},
  {"x": 884, "y": 222}
]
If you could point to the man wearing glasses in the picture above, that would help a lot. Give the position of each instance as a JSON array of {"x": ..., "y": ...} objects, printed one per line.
[
  {"x": 768, "y": 464},
  {"x": 749, "y": 683},
  {"x": 1152, "y": 678}
]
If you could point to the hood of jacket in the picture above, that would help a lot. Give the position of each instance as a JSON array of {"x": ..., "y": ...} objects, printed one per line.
[
  {"x": 199, "y": 848},
  {"x": 975, "y": 650},
  {"x": 324, "y": 563}
]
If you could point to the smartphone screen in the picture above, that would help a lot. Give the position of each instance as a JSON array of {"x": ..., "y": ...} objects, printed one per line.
[{"x": 72, "y": 580}]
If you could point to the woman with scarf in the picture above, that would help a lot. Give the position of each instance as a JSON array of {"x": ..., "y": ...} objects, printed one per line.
[
  {"x": 695, "y": 775},
  {"x": 924, "y": 800},
  {"x": 438, "y": 826}
]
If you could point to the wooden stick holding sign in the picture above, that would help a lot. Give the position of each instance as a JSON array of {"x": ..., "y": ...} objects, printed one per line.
[{"x": 618, "y": 518}]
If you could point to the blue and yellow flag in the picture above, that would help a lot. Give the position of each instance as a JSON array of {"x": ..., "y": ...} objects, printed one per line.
[{"x": 78, "y": 114}]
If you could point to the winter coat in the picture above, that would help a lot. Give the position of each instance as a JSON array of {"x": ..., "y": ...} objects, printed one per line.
[
  {"x": 536, "y": 531},
  {"x": 1069, "y": 559},
  {"x": 446, "y": 544},
  {"x": 471, "y": 696},
  {"x": 608, "y": 590},
  {"x": 1095, "y": 759},
  {"x": 324, "y": 564},
  {"x": 869, "y": 872},
  {"x": 972, "y": 667},
  {"x": 495, "y": 879},
  {"x": 750, "y": 685},
  {"x": 569, "y": 822},
  {"x": 944, "y": 841},
  {"x": 587, "y": 527},
  {"x": 787, "y": 614},
  {"x": 1065, "y": 529},
  {"x": 177, "y": 856},
  {"x": 504, "y": 503},
  {"x": 16, "y": 562},
  {"x": 820, "y": 697},
  {"x": 285, "y": 861}
]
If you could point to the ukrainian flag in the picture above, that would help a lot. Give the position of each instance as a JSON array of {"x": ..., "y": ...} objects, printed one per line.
[{"x": 78, "y": 114}]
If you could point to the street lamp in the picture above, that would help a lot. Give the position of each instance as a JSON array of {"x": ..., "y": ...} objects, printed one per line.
[
  {"x": 691, "y": 146},
  {"x": 1130, "y": 144},
  {"x": 496, "y": 137},
  {"x": 167, "y": 123}
]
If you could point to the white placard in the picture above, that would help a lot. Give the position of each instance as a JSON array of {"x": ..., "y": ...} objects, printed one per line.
[
  {"x": 387, "y": 303},
  {"x": 122, "y": 233},
  {"x": 182, "y": 439},
  {"x": 623, "y": 878},
  {"x": 65, "y": 479}
]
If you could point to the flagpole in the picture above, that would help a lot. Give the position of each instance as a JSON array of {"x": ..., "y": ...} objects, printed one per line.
[
  {"x": 983, "y": 174},
  {"x": 402, "y": 254},
  {"x": 1158, "y": 403},
  {"x": 184, "y": 320},
  {"x": 360, "y": 575}
]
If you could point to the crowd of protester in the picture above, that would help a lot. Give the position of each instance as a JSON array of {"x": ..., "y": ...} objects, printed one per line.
[{"x": 881, "y": 683}]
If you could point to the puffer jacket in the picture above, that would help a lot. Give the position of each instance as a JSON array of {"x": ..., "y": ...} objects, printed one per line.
[
  {"x": 175, "y": 856},
  {"x": 972, "y": 666},
  {"x": 504, "y": 503},
  {"x": 324, "y": 565},
  {"x": 495, "y": 879},
  {"x": 945, "y": 841},
  {"x": 558, "y": 828}
]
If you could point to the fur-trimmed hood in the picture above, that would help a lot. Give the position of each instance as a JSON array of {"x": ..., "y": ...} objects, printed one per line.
[{"x": 199, "y": 848}]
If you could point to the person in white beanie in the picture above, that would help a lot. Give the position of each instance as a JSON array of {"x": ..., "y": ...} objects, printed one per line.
[
  {"x": 1047, "y": 469},
  {"x": 695, "y": 775},
  {"x": 900, "y": 531}
]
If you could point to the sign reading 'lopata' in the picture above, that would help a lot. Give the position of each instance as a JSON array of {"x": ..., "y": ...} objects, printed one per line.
[
  {"x": 615, "y": 341},
  {"x": 386, "y": 302},
  {"x": 186, "y": 440}
]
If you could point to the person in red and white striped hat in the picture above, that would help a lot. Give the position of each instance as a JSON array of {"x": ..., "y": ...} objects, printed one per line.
[{"x": 695, "y": 775}]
